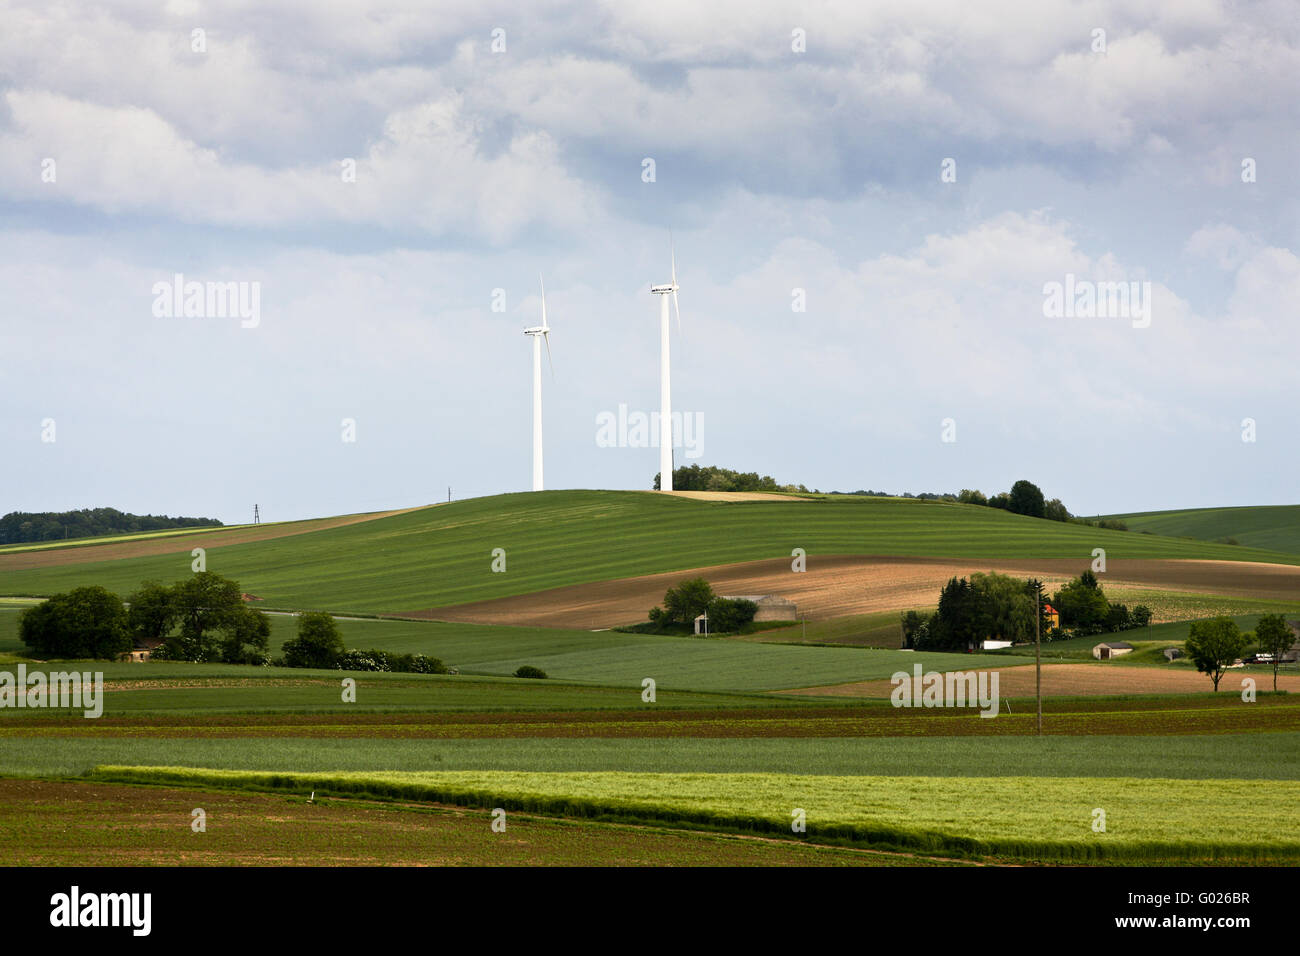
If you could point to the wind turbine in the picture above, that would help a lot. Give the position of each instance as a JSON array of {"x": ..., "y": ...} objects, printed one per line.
[
  {"x": 665, "y": 375},
  {"x": 539, "y": 332}
]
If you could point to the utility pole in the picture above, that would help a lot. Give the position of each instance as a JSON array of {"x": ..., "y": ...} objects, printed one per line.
[
  {"x": 449, "y": 493},
  {"x": 257, "y": 518},
  {"x": 1038, "y": 653}
]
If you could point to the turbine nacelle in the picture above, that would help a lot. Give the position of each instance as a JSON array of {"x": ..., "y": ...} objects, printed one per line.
[
  {"x": 537, "y": 330},
  {"x": 664, "y": 289}
]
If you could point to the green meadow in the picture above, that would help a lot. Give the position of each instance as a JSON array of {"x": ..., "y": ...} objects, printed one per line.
[
  {"x": 1274, "y": 756},
  {"x": 442, "y": 555},
  {"x": 1149, "y": 819},
  {"x": 602, "y": 657},
  {"x": 1270, "y": 527}
]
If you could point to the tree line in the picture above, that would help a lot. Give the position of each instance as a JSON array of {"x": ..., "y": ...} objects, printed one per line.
[
  {"x": 1023, "y": 498},
  {"x": 18, "y": 527},
  {"x": 201, "y": 619},
  {"x": 992, "y": 606},
  {"x": 713, "y": 478}
]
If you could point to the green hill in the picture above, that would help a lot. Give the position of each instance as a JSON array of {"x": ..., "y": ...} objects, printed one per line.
[
  {"x": 1271, "y": 527},
  {"x": 442, "y": 555}
]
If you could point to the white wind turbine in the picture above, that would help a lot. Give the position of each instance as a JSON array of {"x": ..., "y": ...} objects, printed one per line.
[
  {"x": 665, "y": 376},
  {"x": 539, "y": 332}
]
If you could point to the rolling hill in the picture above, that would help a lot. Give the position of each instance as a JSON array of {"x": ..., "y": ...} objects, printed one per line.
[
  {"x": 1272, "y": 527},
  {"x": 442, "y": 555}
]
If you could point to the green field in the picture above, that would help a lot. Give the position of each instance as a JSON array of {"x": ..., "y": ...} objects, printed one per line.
[
  {"x": 1242, "y": 756},
  {"x": 1271, "y": 527},
  {"x": 1154, "y": 819},
  {"x": 442, "y": 555},
  {"x": 603, "y": 657},
  {"x": 1182, "y": 777}
]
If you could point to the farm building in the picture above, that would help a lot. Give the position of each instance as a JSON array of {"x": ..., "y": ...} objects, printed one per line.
[
  {"x": 1052, "y": 615},
  {"x": 1293, "y": 655},
  {"x": 771, "y": 607},
  {"x": 1172, "y": 653},
  {"x": 1105, "y": 651}
]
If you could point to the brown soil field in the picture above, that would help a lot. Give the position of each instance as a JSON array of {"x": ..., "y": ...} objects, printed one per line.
[
  {"x": 147, "y": 547},
  {"x": 839, "y": 585},
  {"x": 68, "y": 823},
  {"x": 1084, "y": 680}
]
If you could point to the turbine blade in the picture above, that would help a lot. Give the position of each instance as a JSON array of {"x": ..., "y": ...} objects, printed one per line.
[
  {"x": 539, "y": 279},
  {"x": 678, "y": 310},
  {"x": 546, "y": 337}
]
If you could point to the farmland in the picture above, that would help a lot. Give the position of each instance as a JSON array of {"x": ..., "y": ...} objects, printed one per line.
[
  {"x": 591, "y": 770},
  {"x": 1152, "y": 819},
  {"x": 1274, "y": 528},
  {"x": 135, "y": 825},
  {"x": 441, "y": 556}
]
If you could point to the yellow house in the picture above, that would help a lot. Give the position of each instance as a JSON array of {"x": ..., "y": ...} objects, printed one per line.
[{"x": 1053, "y": 616}]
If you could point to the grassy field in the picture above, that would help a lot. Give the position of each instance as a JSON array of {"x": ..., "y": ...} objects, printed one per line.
[
  {"x": 118, "y": 825},
  {"x": 1242, "y": 756},
  {"x": 1154, "y": 819},
  {"x": 442, "y": 555},
  {"x": 1271, "y": 527},
  {"x": 882, "y": 629},
  {"x": 605, "y": 657}
]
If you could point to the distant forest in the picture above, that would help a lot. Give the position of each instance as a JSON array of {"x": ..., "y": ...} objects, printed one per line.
[{"x": 20, "y": 526}]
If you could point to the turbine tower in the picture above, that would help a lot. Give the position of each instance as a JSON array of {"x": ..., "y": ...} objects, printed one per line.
[
  {"x": 665, "y": 376},
  {"x": 539, "y": 332}
]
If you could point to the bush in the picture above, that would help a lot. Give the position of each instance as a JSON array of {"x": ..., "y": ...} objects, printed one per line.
[
  {"x": 88, "y": 622},
  {"x": 388, "y": 662},
  {"x": 318, "y": 644},
  {"x": 728, "y": 615},
  {"x": 529, "y": 671}
]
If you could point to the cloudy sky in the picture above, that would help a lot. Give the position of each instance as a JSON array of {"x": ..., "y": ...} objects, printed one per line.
[{"x": 392, "y": 182}]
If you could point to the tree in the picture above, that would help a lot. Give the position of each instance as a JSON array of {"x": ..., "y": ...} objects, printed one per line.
[
  {"x": 1213, "y": 645},
  {"x": 1004, "y": 608},
  {"x": 1141, "y": 616},
  {"x": 151, "y": 615},
  {"x": 88, "y": 622},
  {"x": 245, "y": 637},
  {"x": 1055, "y": 510},
  {"x": 968, "y": 496},
  {"x": 318, "y": 644},
  {"x": 1275, "y": 638},
  {"x": 728, "y": 615},
  {"x": 1082, "y": 604},
  {"x": 1000, "y": 500},
  {"x": 204, "y": 604},
  {"x": 684, "y": 603},
  {"x": 956, "y": 624},
  {"x": 1027, "y": 499},
  {"x": 916, "y": 629}
]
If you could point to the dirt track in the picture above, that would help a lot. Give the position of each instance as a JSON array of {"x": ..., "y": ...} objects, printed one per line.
[
  {"x": 1081, "y": 680},
  {"x": 147, "y": 547},
  {"x": 837, "y": 585}
]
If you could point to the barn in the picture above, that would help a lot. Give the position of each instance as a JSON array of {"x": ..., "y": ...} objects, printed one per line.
[{"x": 1105, "y": 651}]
